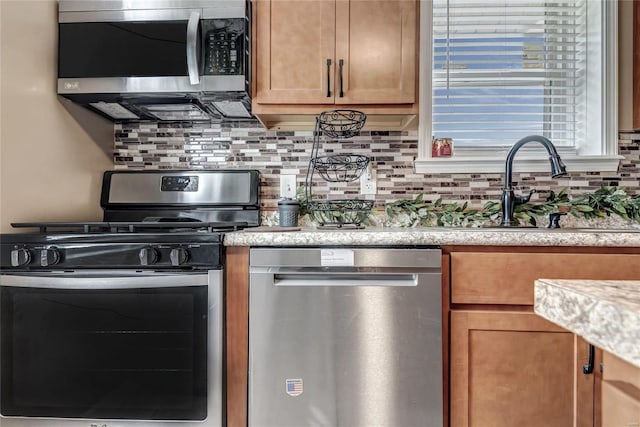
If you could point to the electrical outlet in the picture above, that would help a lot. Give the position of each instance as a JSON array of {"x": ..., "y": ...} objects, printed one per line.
[
  {"x": 368, "y": 181},
  {"x": 288, "y": 186}
]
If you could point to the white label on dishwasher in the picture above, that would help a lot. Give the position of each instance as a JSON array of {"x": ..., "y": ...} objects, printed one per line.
[{"x": 336, "y": 257}]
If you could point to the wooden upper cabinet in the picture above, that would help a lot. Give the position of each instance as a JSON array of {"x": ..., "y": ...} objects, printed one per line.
[
  {"x": 301, "y": 43},
  {"x": 376, "y": 40},
  {"x": 295, "y": 38}
]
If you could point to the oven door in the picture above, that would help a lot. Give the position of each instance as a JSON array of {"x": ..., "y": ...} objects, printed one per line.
[{"x": 130, "y": 348}]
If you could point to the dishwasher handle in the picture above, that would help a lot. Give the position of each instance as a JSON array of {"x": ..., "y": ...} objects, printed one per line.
[
  {"x": 334, "y": 280},
  {"x": 395, "y": 281},
  {"x": 334, "y": 271}
]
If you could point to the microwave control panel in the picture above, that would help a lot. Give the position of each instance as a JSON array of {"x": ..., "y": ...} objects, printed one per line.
[{"x": 224, "y": 46}]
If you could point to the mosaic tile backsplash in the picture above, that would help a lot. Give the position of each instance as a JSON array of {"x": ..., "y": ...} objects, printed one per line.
[{"x": 247, "y": 145}]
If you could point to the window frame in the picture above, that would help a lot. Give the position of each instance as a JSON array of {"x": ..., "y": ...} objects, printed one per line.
[{"x": 598, "y": 155}]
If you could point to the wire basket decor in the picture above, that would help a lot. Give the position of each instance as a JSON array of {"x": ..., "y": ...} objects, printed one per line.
[
  {"x": 340, "y": 212},
  {"x": 341, "y": 123},
  {"x": 340, "y": 167}
]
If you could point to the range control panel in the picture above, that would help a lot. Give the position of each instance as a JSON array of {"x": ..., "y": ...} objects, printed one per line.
[
  {"x": 168, "y": 251},
  {"x": 179, "y": 183}
]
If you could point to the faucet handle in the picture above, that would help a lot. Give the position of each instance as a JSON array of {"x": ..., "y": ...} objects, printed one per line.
[
  {"x": 519, "y": 200},
  {"x": 554, "y": 219}
]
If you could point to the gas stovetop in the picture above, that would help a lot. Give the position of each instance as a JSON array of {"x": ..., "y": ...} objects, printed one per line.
[
  {"x": 190, "y": 250},
  {"x": 152, "y": 220},
  {"x": 164, "y": 225},
  {"x": 155, "y": 243}
]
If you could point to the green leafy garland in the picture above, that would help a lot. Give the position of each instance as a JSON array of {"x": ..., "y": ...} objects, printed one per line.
[{"x": 602, "y": 203}]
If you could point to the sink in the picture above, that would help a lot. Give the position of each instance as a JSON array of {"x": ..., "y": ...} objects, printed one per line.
[
  {"x": 598, "y": 230},
  {"x": 530, "y": 229},
  {"x": 513, "y": 227}
]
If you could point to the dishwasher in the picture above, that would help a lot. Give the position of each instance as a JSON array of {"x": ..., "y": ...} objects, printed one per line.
[{"x": 345, "y": 337}]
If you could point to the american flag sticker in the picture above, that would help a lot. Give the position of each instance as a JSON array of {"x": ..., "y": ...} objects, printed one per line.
[{"x": 294, "y": 387}]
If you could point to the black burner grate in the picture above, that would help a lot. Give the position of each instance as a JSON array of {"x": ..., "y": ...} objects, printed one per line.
[{"x": 131, "y": 227}]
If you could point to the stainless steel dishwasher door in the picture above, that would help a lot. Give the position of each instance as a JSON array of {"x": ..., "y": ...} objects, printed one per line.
[{"x": 345, "y": 337}]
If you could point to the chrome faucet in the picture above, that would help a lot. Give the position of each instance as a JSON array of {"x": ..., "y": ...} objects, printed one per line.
[{"x": 509, "y": 199}]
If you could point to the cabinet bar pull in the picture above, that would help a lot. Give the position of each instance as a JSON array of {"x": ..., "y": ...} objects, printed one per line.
[
  {"x": 588, "y": 367},
  {"x": 341, "y": 62},
  {"x": 328, "y": 77}
]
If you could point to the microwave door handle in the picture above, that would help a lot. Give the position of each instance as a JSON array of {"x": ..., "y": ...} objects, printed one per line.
[{"x": 192, "y": 47}]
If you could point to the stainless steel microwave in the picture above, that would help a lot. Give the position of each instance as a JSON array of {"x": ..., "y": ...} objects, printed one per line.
[{"x": 156, "y": 59}]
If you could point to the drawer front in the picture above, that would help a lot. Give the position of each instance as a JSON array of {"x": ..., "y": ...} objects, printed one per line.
[{"x": 508, "y": 278}]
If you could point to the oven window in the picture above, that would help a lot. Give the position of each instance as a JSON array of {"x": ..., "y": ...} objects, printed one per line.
[
  {"x": 119, "y": 354},
  {"x": 122, "y": 49}
]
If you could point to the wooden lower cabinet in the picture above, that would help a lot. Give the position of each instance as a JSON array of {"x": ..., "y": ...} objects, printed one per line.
[
  {"x": 513, "y": 368},
  {"x": 620, "y": 405},
  {"x": 236, "y": 336},
  {"x": 620, "y": 393},
  {"x": 508, "y": 366}
]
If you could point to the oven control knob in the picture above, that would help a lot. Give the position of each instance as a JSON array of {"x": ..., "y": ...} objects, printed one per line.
[
  {"x": 49, "y": 256},
  {"x": 148, "y": 256},
  {"x": 178, "y": 256},
  {"x": 20, "y": 257}
]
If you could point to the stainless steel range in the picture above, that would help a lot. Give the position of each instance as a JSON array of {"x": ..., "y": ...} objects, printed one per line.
[{"x": 119, "y": 323}]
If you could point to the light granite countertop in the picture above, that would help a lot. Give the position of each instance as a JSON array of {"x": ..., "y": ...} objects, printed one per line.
[
  {"x": 606, "y": 313},
  {"x": 276, "y": 236}
]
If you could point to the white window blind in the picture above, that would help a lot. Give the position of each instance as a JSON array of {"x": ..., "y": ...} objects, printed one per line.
[{"x": 505, "y": 69}]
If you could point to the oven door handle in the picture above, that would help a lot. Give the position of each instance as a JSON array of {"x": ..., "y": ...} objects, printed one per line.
[{"x": 105, "y": 279}]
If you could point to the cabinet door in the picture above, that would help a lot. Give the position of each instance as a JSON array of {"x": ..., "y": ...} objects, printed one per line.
[
  {"x": 517, "y": 369},
  {"x": 620, "y": 392},
  {"x": 620, "y": 405},
  {"x": 376, "y": 40},
  {"x": 295, "y": 38}
]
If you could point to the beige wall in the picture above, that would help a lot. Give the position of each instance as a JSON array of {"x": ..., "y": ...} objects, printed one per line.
[{"x": 50, "y": 167}]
